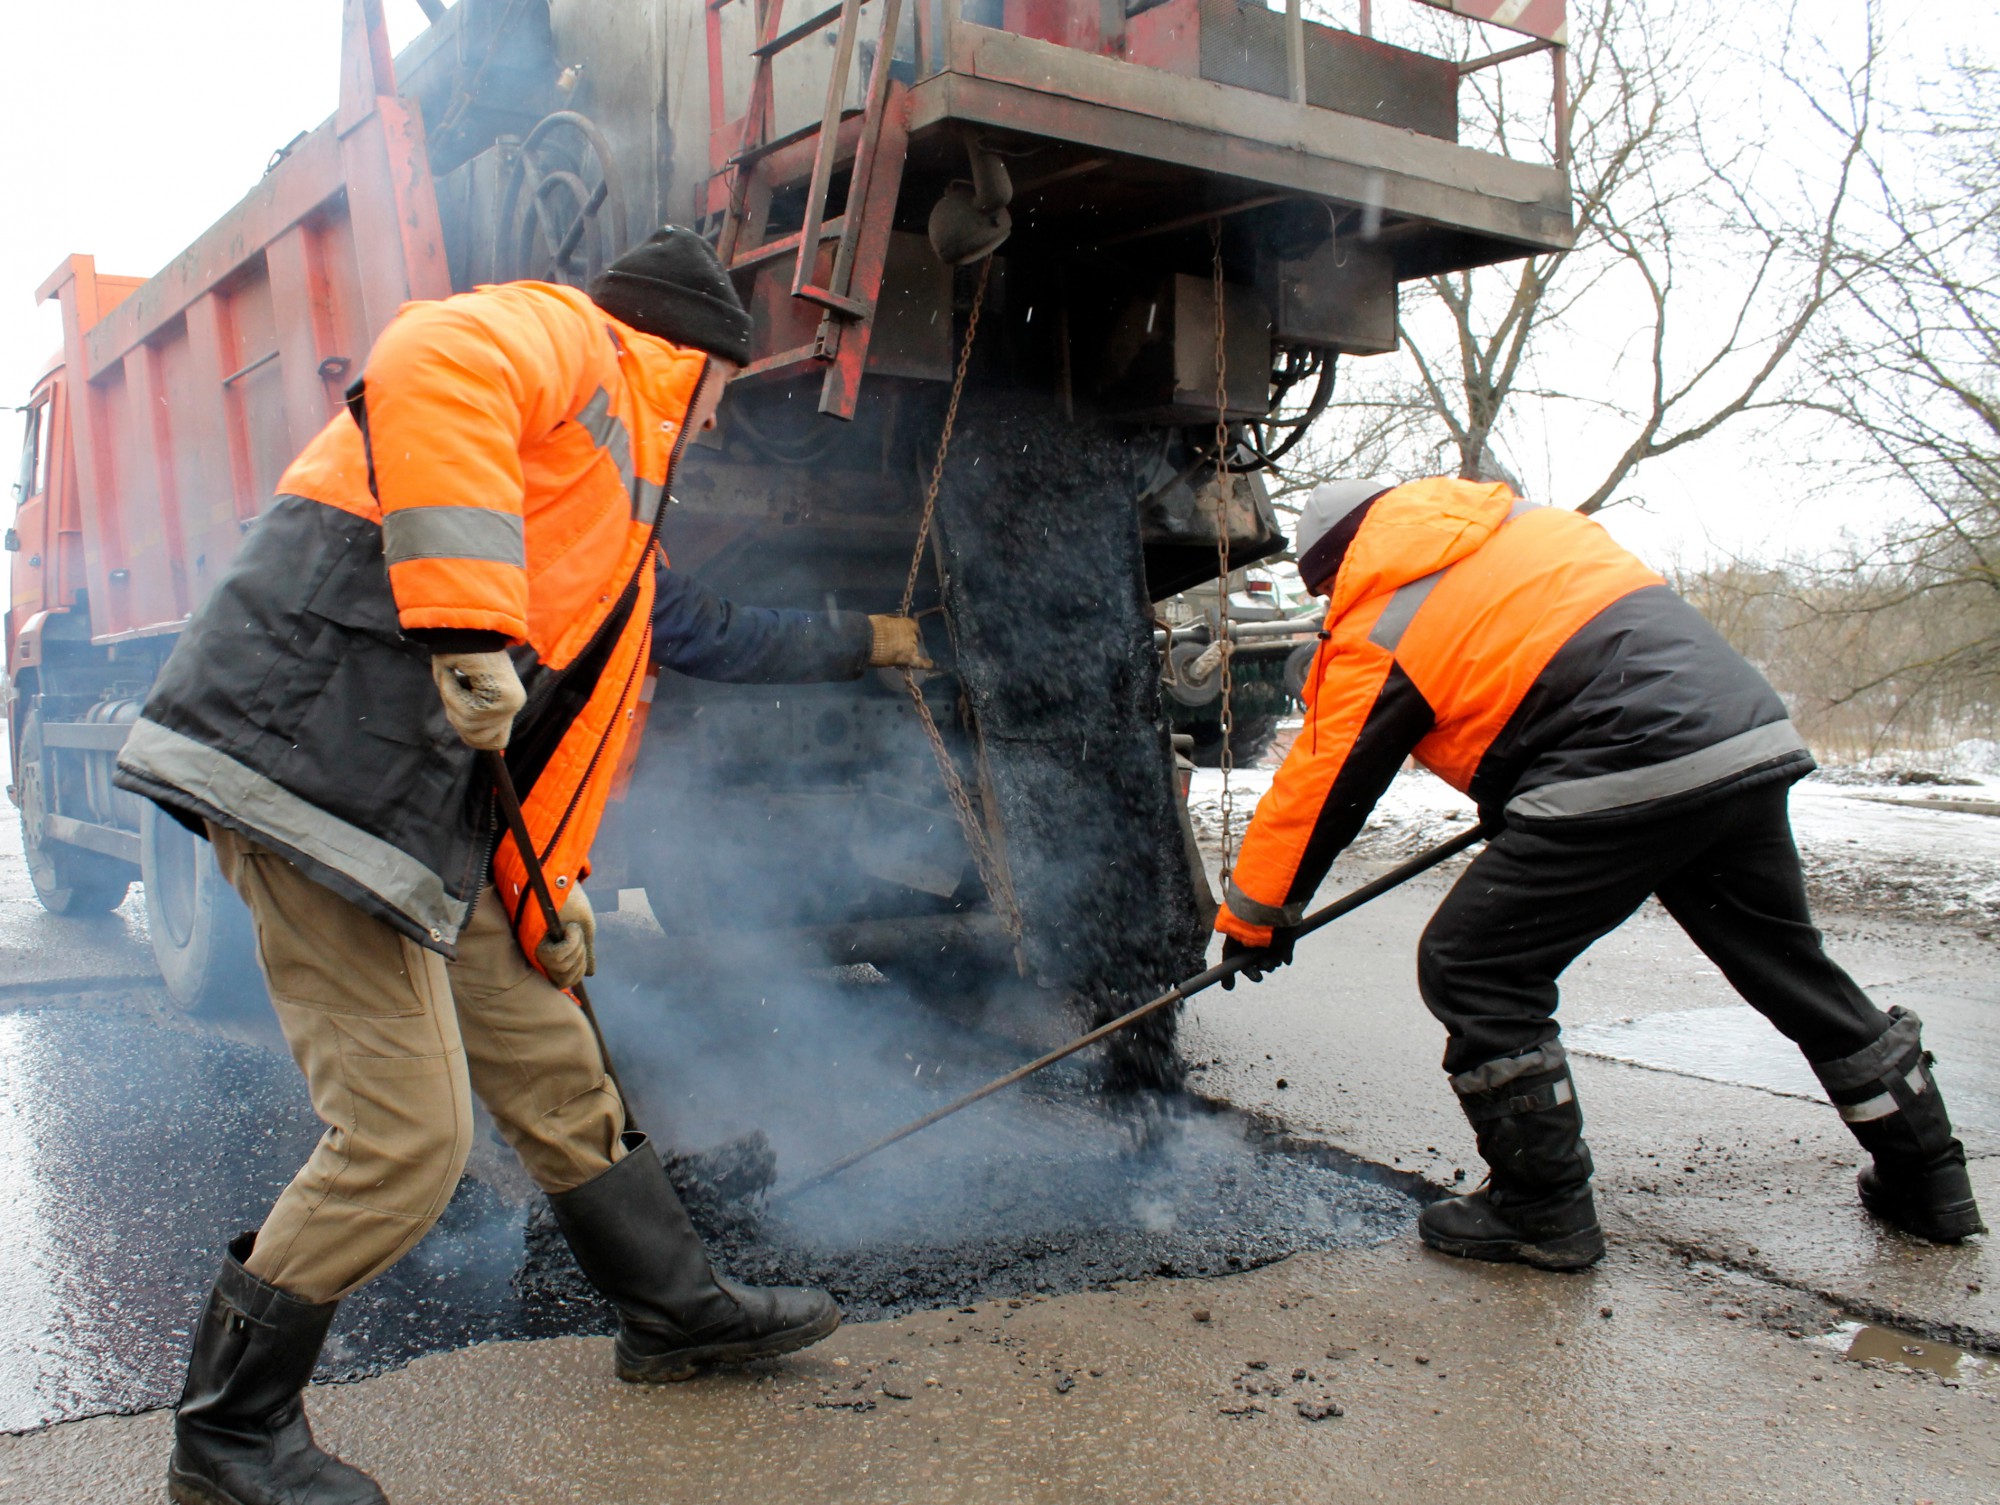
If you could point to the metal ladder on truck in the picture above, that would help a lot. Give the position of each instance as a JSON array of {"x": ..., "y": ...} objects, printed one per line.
[{"x": 833, "y": 296}]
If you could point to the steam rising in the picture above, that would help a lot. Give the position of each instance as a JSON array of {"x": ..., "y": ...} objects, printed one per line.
[{"x": 1060, "y": 1185}]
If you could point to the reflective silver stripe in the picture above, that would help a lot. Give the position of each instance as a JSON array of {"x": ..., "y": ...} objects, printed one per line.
[
  {"x": 1249, "y": 910},
  {"x": 1402, "y": 609},
  {"x": 1883, "y": 1105},
  {"x": 453, "y": 533},
  {"x": 223, "y": 784},
  {"x": 647, "y": 497},
  {"x": 607, "y": 430},
  {"x": 1877, "y": 1059},
  {"x": 1636, "y": 786},
  {"x": 596, "y": 417},
  {"x": 1565, "y": 1093},
  {"x": 1494, "y": 1075},
  {"x": 1869, "y": 1111}
]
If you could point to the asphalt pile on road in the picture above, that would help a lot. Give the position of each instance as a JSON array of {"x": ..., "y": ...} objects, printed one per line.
[{"x": 1065, "y": 1192}]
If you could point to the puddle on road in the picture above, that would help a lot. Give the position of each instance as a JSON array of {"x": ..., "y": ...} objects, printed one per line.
[
  {"x": 1733, "y": 1045},
  {"x": 1739, "y": 1047},
  {"x": 129, "y": 1154},
  {"x": 1863, "y": 1342}
]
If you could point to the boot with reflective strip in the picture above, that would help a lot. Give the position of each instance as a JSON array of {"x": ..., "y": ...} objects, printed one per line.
[
  {"x": 1888, "y": 1097},
  {"x": 240, "y": 1432},
  {"x": 633, "y": 1241},
  {"x": 1536, "y": 1207}
]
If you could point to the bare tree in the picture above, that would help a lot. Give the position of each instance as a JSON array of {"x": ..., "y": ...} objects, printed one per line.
[
  {"x": 1708, "y": 255},
  {"x": 1912, "y": 370}
]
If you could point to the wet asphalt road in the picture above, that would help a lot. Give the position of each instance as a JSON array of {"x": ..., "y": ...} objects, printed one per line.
[
  {"x": 131, "y": 1147},
  {"x": 135, "y": 1141},
  {"x": 1727, "y": 1194},
  {"x": 1432, "y": 1380},
  {"x": 1709, "y": 1139}
]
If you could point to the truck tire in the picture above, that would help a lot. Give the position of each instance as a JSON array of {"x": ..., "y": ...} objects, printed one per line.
[
  {"x": 67, "y": 879},
  {"x": 202, "y": 940}
]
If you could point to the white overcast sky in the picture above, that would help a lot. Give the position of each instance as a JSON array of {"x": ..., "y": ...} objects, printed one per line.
[{"x": 132, "y": 125}]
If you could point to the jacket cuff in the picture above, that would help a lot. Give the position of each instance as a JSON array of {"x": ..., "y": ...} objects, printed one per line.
[
  {"x": 1254, "y": 912},
  {"x": 1250, "y": 935},
  {"x": 856, "y": 636},
  {"x": 457, "y": 639}
]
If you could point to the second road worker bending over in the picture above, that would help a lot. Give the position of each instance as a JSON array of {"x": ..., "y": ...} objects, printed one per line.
[
  {"x": 1617, "y": 748},
  {"x": 466, "y": 559}
]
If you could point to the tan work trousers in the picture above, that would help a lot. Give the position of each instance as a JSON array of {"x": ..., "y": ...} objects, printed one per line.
[{"x": 393, "y": 1039}]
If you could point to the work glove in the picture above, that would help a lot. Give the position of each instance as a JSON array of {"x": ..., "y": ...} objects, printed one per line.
[
  {"x": 1259, "y": 959},
  {"x": 570, "y": 955},
  {"x": 481, "y": 694},
  {"x": 897, "y": 644}
]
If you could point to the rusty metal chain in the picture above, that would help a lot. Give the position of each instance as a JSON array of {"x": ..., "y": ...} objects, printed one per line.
[
  {"x": 1224, "y": 487},
  {"x": 990, "y": 872},
  {"x": 944, "y": 439}
]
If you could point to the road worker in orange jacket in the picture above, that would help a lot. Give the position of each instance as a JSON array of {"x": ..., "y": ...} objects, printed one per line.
[
  {"x": 1617, "y": 748},
  {"x": 466, "y": 559}
]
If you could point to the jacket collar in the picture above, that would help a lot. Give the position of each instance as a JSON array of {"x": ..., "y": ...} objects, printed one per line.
[{"x": 661, "y": 379}]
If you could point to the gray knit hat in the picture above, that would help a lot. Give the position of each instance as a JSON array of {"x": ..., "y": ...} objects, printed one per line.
[{"x": 1328, "y": 522}]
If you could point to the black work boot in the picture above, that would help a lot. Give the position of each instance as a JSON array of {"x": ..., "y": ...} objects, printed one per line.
[
  {"x": 633, "y": 1240},
  {"x": 240, "y": 1433},
  {"x": 1888, "y": 1097},
  {"x": 1535, "y": 1208}
]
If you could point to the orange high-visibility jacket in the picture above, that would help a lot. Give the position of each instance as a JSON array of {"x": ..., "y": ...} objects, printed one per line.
[
  {"x": 1522, "y": 656},
  {"x": 520, "y": 441},
  {"x": 496, "y": 482}
]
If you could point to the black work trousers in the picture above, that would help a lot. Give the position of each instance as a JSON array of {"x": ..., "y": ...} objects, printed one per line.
[{"x": 1535, "y": 899}]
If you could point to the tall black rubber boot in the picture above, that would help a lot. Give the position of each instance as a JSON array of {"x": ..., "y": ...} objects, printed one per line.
[
  {"x": 633, "y": 1240},
  {"x": 240, "y": 1433},
  {"x": 1536, "y": 1207},
  {"x": 1887, "y": 1095}
]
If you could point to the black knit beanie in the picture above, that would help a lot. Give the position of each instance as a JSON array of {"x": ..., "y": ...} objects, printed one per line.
[{"x": 674, "y": 287}]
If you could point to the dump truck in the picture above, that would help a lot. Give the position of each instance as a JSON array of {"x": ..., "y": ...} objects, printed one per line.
[{"x": 1113, "y": 250}]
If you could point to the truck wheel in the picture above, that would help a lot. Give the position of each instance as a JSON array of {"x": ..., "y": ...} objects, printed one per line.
[
  {"x": 67, "y": 880},
  {"x": 200, "y": 930}
]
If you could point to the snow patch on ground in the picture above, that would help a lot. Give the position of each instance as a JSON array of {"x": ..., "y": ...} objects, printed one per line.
[
  {"x": 1418, "y": 811},
  {"x": 1973, "y": 762},
  {"x": 1866, "y": 848}
]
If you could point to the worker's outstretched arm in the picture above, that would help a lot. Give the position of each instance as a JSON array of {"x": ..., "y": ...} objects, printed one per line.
[
  {"x": 1363, "y": 717},
  {"x": 707, "y": 636},
  {"x": 450, "y": 393}
]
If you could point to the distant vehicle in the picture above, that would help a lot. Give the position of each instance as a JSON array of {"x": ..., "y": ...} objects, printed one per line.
[
  {"x": 1127, "y": 160},
  {"x": 1267, "y": 673}
]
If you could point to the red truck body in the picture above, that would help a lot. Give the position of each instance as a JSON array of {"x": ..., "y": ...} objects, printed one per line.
[{"x": 191, "y": 391}]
